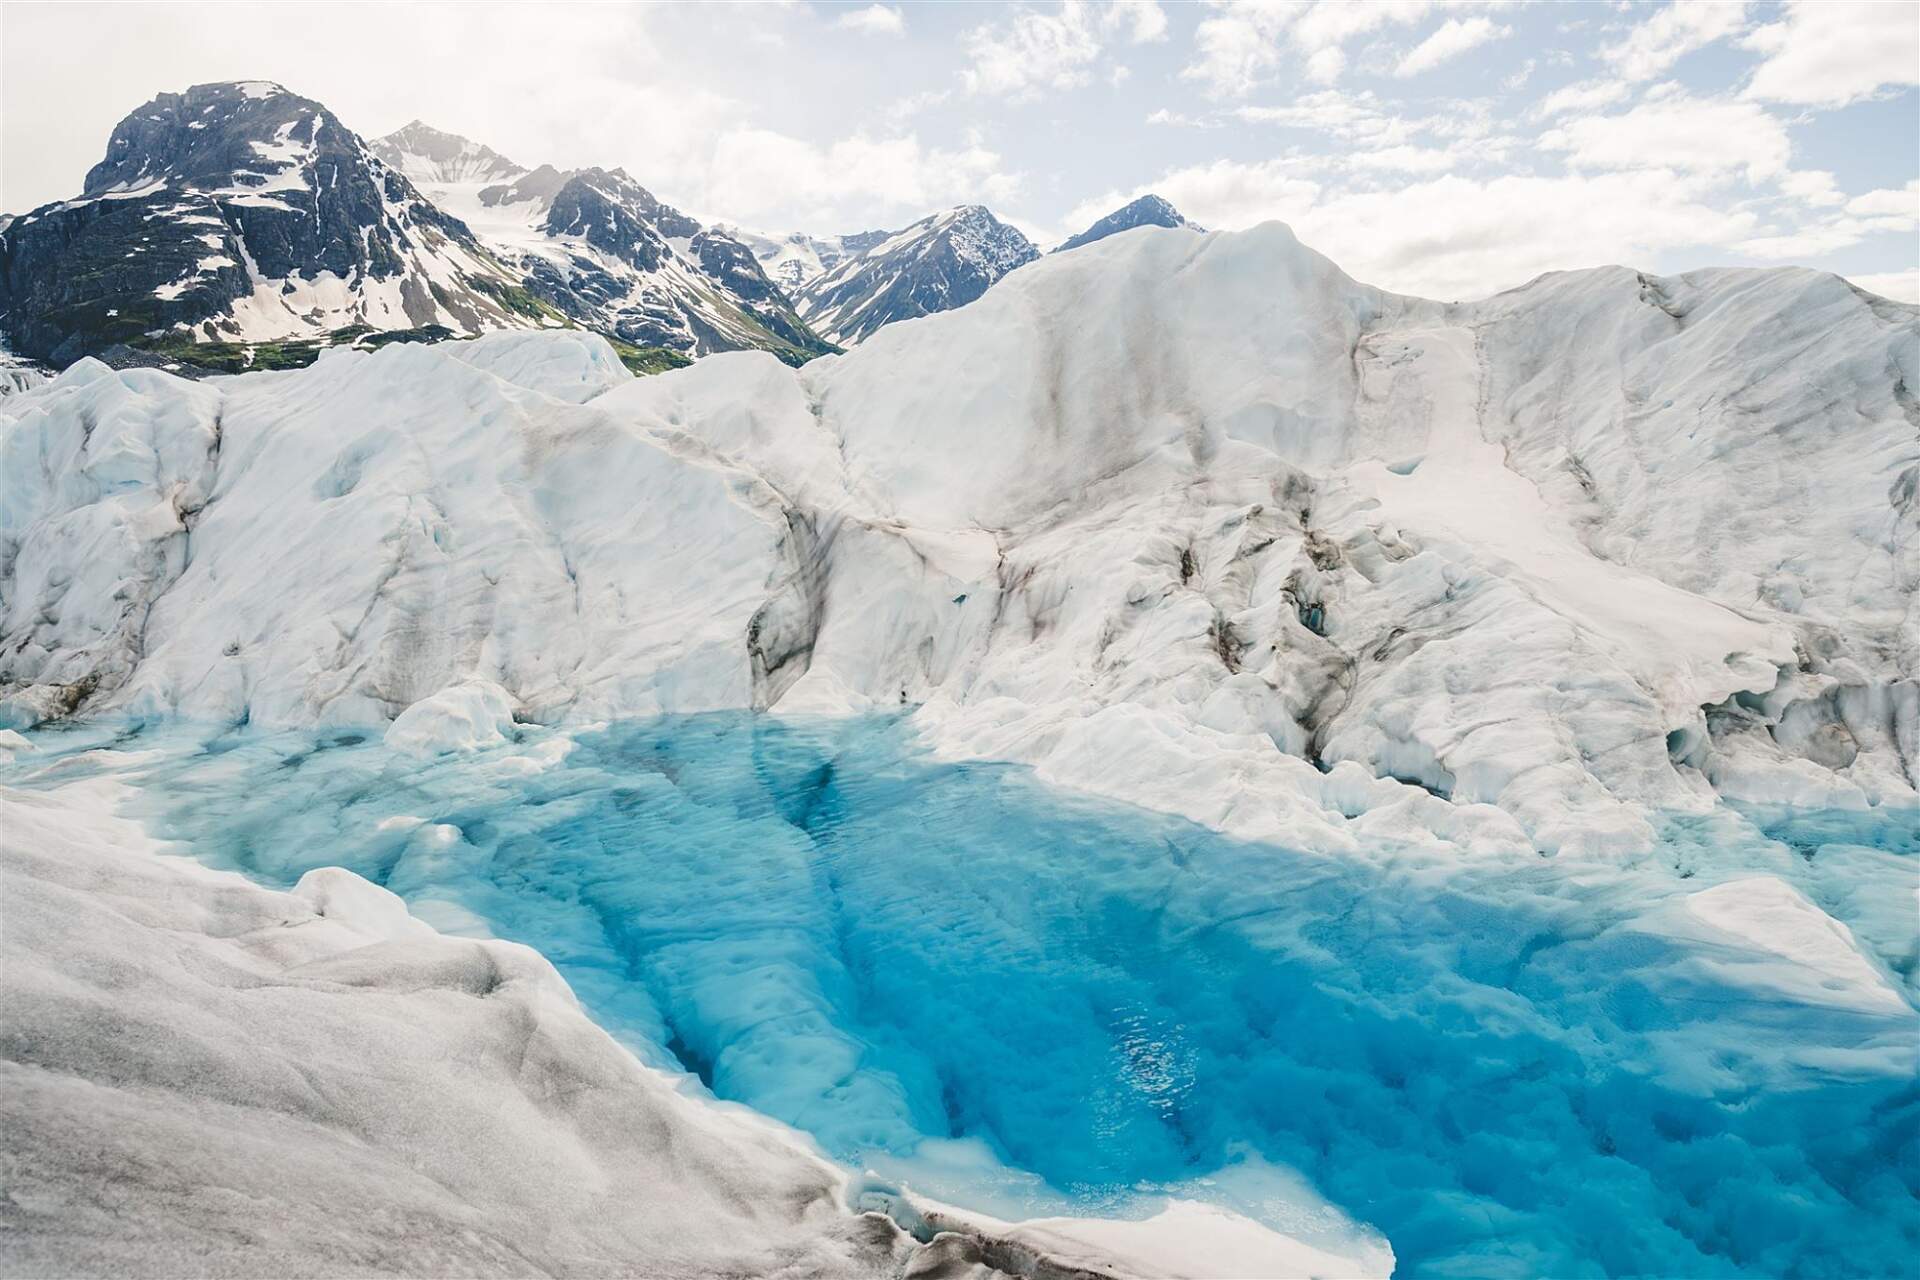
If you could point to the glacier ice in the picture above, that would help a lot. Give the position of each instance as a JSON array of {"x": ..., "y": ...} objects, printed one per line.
[{"x": 1395, "y": 596}]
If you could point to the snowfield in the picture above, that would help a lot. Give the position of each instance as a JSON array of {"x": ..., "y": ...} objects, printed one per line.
[{"x": 1193, "y": 522}]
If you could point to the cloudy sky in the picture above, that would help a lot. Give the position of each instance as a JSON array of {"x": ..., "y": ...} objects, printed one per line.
[{"x": 1448, "y": 149}]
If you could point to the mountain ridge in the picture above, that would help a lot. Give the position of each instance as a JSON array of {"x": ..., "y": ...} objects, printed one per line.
[
  {"x": 606, "y": 252},
  {"x": 241, "y": 212},
  {"x": 939, "y": 262}
]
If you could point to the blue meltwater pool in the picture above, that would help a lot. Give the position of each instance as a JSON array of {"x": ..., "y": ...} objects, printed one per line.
[{"x": 1029, "y": 1001}]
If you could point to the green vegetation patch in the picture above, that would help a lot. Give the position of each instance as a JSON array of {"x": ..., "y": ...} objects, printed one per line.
[{"x": 646, "y": 360}]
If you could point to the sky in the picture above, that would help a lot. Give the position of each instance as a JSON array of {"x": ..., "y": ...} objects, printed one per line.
[{"x": 1443, "y": 149}]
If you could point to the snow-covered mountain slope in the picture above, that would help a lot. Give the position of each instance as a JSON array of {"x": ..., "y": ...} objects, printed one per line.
[
  {"x": 794, "y": 259},
  {"x": 240, "y": 213},
  {"x": 943, "y": 261},
  {"x": 602, "y": 249},
  {"x": 1195, "y": 520},
  {"x": 427, "y": 155},
  {"x": 1147, "y": 211}
]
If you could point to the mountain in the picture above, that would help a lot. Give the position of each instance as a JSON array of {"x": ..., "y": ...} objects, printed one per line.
[
  {"x": 242, "y": 213},
  {"x": 849, "y": 286},
  {"x": 1147, "y": 211},
  {"x": 604, "y": 251}
]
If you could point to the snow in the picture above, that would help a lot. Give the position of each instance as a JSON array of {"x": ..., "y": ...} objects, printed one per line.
[
  {"x": 507, "y": 207},
  {"x": 201, "y": 269},
  {"x": 792, "y": 260},
  {"x": 17, "y": 374},
  {"x": 835, "y": 297}
]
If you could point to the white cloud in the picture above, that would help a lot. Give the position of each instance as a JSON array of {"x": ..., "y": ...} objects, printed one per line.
[
  {"x": 901, "y": 110},
  {"x": 1405, "y": 159},
  {"x": 752, "y": 172},
  {"x": 1145, "y": 21},
  {"x": 1244, "y": 43},
  {"x": 1238, "y": 48},
  {"x": 1373, "y": 139},
  {"x": 1830, "y": 54},
  {"x": 1901, "y": 286},
  {"x": 1359, "y": 117},
  {"x": 1452, "y": 236},
  {"x": 1894, "y": 210},
  {"x": 1452, "y": 38},
  {"x": 1585, "y": 95},
  {"x": 1893, "y": 202},
  {"x": 874, "y": 20},
  {"x": 1672, "y": 33},
  {"x": 1325, "y": 65},
  {"x": 1034, "y": 51},
  {"x": 1692, "y": 135},
  {"x": 1813, "y": 187}
]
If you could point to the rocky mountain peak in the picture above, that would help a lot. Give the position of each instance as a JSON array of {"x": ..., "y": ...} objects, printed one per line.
[
  {"x": 429, "y": 155},
  {"x": 233, "y": 134},
  {"x": 1147, "y": 211},
  {"x": 239, "y": 212},
  {"x": 944, "y": 260}
]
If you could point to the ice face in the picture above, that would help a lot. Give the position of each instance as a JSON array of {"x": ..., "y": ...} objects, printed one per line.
[{"x": 1031, "y": 1001}]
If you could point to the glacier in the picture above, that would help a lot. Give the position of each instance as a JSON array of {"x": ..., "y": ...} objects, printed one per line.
[
  {"x": 1559, "y": 646},
  {"x": 1196, "y": 520}
]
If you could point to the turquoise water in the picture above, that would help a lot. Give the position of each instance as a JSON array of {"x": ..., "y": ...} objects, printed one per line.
[{"x": 955, "y": 972}]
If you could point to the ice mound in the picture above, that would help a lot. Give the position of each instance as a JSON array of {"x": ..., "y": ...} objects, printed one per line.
[
  {"x": 1814, "y": 956},
  {"x": 464, "y": 717},
  {"x": 571, "y": 365}
]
